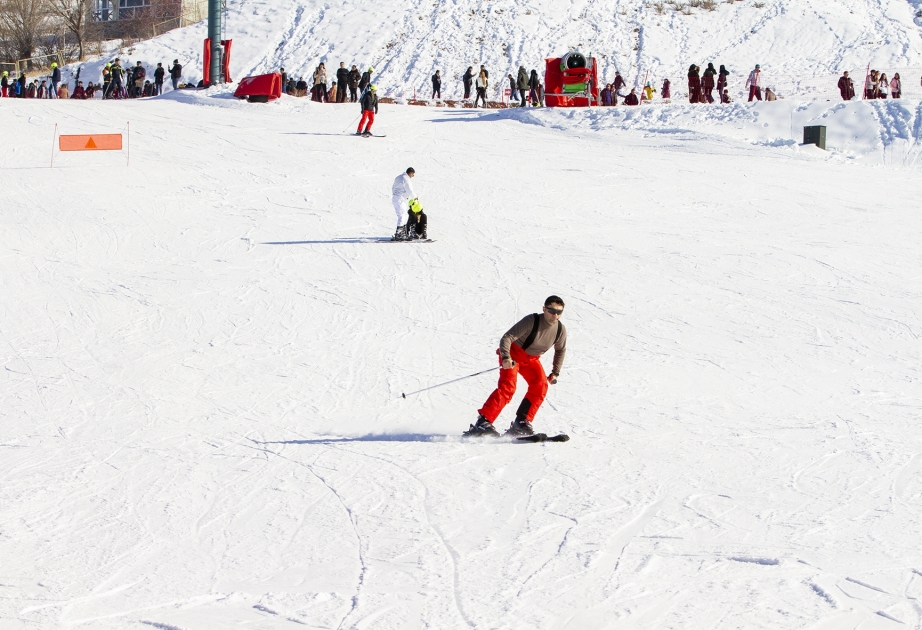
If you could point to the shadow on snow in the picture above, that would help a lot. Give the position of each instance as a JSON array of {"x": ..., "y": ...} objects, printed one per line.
[
  {"x": 335, "y": 241},
  {"x": 379, "y": 437}
]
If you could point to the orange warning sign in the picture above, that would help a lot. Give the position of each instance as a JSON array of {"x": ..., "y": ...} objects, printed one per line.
[{"x": 95, "y": 142}]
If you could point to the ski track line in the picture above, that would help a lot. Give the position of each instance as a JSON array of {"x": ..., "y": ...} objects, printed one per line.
[
  {"x": 564, "y": 538},
  {"x": 452, "y": 554},
  {"x": 364, "y": 566},
  {"x": 905, "y": 476}
]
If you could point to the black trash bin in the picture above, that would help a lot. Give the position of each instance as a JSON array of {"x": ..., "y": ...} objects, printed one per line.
[{"x": 815, "y": 135}]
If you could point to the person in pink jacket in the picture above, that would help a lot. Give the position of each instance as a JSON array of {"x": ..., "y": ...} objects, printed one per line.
[
  {"x": 896, "y": 86},
  {"x": 754, "y": 83}
]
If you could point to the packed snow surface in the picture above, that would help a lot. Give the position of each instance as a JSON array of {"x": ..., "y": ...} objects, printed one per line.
[
  {"x": 406, "y": 41},
  {"x": 201, "y": 421}
]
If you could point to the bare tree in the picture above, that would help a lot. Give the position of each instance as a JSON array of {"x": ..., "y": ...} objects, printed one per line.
[
  {"x": 74, "y": 14},
  {"x": 23, "y": 21}
]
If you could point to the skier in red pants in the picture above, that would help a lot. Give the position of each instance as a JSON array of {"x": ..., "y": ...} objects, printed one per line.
[
  {"x": 520, "y": 352},
  {"x": 369, "y": 109}
]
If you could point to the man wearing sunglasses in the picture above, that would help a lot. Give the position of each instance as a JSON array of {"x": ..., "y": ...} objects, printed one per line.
[{"x": 520, "y": 352}]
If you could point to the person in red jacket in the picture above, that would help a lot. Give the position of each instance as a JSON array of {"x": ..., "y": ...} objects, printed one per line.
[{"x": 520, "y": 351}]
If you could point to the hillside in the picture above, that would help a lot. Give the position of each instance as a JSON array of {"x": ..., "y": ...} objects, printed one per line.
[
  {"x": 406, "y": 41},
  {"x": 204, "y": 355}
]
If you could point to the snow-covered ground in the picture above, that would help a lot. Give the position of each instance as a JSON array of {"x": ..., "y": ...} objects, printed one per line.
[
  {"x": 200, "y": 414},
  {"x": 408, "y": 40}
]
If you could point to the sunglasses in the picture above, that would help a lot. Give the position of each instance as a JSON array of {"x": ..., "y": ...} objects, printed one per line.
[{"x": 554, "y": 311}]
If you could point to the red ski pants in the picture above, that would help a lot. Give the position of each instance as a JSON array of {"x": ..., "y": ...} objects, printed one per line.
[
  {"x": 369, "y": 117},
  {"x": 532, "y": 371}
]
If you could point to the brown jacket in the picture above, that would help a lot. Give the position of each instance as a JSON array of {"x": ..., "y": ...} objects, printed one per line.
[{"x": 543, "y": 340}]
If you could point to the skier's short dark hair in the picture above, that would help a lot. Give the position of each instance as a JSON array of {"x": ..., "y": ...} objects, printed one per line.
[
  {"x": 554, "y": 299},
  {"x": 411, "y": 170}
]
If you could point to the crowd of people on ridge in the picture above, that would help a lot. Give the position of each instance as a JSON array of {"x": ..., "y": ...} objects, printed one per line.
[
  {"x": 351, "y": 84},
  {"x": 117, "y": 83}
]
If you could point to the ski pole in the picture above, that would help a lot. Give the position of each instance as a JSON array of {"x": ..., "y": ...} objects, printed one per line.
[
  {"x": 449, "y": 382},
  {"x": 352, "y": 123}
]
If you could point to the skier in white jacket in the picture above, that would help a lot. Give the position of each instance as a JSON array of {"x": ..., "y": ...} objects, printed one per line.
[{"x": 401, "y": 194}]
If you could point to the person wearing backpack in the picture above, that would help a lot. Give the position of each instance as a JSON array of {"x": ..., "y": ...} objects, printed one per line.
[
  {"x": 520, "y": 351},
  {"x": 369, "y": 102}
]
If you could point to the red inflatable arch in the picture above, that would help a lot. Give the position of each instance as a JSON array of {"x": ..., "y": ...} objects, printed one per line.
[{"x": 260, "y": 89}]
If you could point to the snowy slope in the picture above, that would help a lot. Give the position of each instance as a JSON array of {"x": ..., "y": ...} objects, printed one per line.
[
  {"x": 407, "y": 40},
  {"x": 200, "y": 415}
]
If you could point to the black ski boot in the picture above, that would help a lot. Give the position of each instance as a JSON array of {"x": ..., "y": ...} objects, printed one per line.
[
  {"x": 520, "y": 427},
  {"x": 401, "y": 234},
  {"x": 483, "y": 428}
]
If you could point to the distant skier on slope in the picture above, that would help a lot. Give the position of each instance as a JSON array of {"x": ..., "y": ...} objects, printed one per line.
[
  {"x": 402, "y": 194},
  {"x": 519, "y": 352},
  {"x": 369, "y": 109}
]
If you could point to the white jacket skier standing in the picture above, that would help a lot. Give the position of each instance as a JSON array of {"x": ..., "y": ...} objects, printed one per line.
[{"x": 401, "y": 194}]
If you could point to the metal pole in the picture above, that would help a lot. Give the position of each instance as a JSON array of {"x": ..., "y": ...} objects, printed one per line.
[{"x": 214, "y": 33}]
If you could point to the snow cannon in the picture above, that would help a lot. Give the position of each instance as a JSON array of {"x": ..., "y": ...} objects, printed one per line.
[{"x": 571, "y": 81}]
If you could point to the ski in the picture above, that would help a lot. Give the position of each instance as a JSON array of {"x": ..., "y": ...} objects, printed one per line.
[
  {"x": 543, "y": 437},
  {"x": 415, "y": 240},
  {"x": 537, "y": 437},
  {"x": 370, "y": 135}
]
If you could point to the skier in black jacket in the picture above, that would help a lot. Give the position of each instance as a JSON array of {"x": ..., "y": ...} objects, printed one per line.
[
  {"x": 369, "y": 109},
  {"x": 437, "y": 84},
  {"x": 342, "y": 78}
]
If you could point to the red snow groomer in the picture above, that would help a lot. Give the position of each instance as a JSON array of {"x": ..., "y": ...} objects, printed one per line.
[{"x": 571, "y": 81}]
